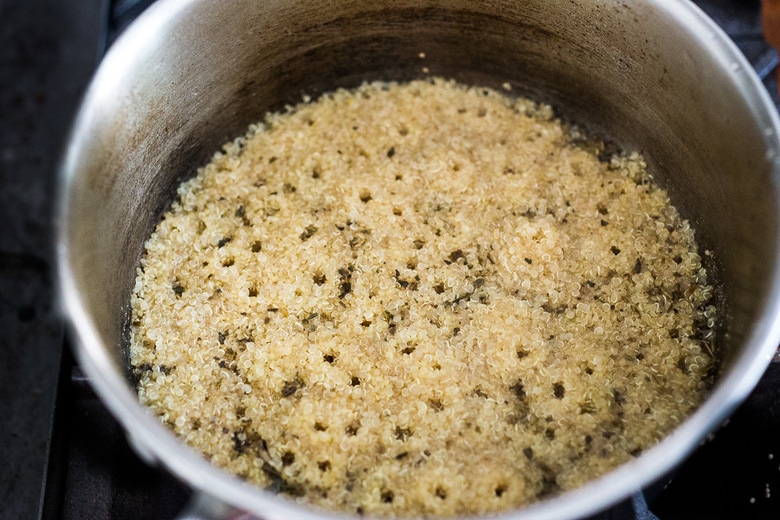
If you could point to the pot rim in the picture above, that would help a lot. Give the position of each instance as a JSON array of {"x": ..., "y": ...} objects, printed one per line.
[{"x": 156, "y": 443}]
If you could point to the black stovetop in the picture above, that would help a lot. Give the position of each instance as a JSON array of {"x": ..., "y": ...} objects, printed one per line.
[{"x": 62, "y": 455}]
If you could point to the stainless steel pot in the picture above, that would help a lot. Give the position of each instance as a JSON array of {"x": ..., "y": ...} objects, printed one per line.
[{"x": 653, "y": 75}]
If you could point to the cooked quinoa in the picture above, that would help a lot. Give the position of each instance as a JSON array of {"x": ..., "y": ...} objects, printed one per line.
[{"x": 421, "y": 300}]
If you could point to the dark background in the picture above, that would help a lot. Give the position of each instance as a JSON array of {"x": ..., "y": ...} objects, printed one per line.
[{"x": 61, "y": 454}]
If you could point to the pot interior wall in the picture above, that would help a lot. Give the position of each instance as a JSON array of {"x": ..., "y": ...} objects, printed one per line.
[{"x": 173, "y": 94}]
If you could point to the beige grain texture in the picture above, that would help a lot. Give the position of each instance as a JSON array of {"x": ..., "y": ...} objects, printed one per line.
[{"x": 421, "y": 300}]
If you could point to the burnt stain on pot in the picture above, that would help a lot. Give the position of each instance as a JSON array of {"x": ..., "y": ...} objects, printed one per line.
[{"x": 335, "y": 63}]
